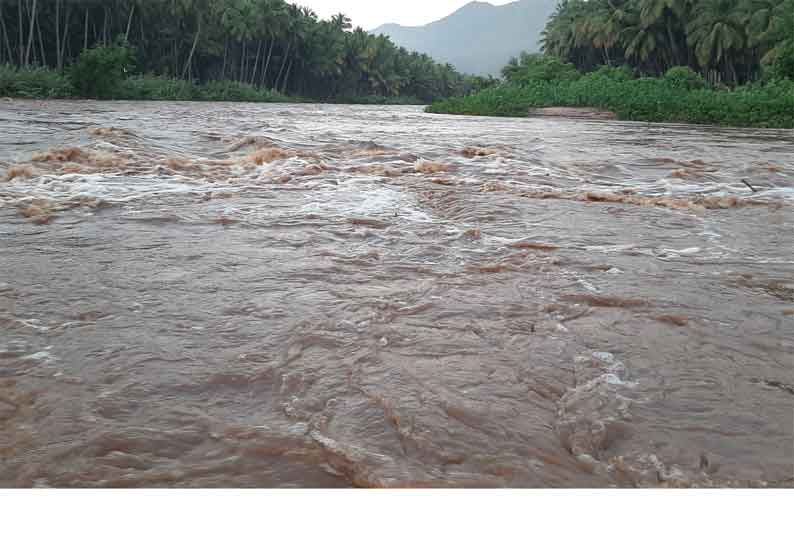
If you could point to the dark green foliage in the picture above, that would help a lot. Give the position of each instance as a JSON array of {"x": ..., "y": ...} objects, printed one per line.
[
  {"x": 33, "y": 83},
  {"x": 536, "y": 67},
  {"x": 158, "y": 88},
  {"x": 258, "y": 49},
  {"x": 379, "y": 100},
  {"x": 612, "y": 73},
  {"x": 644, "y": 99},
  {"x": 685, "y": 78},
  {"x": 477, "y": 83},
  {"x": 232, "y": 91},
  {"x": 726, "y": 41},
  {"x": 783, "y": 66},
  {"x": 100, "y": 71}
]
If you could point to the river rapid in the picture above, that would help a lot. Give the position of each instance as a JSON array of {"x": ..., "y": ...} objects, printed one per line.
[{"x": 236, "y": 295}]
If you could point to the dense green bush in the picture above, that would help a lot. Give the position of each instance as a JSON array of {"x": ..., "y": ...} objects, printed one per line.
[
  {"x": 644, "y": 99},
  {"x": 42, "y": 83},
  {"x": 684, "y": 77},
  {"x": 157, "y": 88},
  {"x": 33, "y": 83},
  {"x": 613, "y": 73},
  {"x": 529, "y": 68},
  {"x": 783, "y": 67},
  {"x": 380, "y": 100},
  {"x": 232, "y": 91},
  {"x": 100, "y": 71}
]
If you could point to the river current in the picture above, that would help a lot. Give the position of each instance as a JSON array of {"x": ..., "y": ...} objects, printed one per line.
[{"x": 230, "y": 295}]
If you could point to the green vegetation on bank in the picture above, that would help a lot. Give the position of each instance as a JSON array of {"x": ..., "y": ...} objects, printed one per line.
[
  {"x": 680, "y": 96},
  {"x": 252, "y": 50},
  {"x": 726, "y": 62},
  {"x": 41, "y": 83}
]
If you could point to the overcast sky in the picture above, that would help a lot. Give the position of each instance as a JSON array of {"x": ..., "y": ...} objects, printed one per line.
[{"x": 370, "y": 14}]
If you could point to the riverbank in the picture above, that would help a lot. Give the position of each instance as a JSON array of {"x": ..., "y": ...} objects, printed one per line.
[
  {"x": 48, "y": 84},
  {"x": 769, "y": 105}
]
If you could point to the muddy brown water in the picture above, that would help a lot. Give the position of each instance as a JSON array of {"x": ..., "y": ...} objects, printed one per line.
[{"x": 208, "y": 295}]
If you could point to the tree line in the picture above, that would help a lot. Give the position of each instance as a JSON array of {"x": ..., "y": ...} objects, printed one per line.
[
  {"x": 726, "y": 41},
  {"x": 269, "y": 44}
]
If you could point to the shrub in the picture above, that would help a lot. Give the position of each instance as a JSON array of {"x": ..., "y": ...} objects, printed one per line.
[
  {"x": 233, "y": 91},
  {"x": 100, "y": 71},
  {"x": 685, "y": 78},
  {"x": 783, "y": 66},
  {"x": 538, "y": 67},
  {"x": 33, "y": 83},
  {"x": 157, "y": 88},
  {"x": 623, "y": 73},
  {"x": 669, "y": 99}
]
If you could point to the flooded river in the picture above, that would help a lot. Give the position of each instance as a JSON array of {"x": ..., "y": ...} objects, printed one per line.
[{"x": 226, "y": 295}]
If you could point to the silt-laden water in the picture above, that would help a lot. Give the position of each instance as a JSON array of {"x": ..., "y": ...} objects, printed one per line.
[{"x": 204, "y": 295}]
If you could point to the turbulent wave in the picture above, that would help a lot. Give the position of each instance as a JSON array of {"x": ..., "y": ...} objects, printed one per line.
[{"x": 321, "y": 296}]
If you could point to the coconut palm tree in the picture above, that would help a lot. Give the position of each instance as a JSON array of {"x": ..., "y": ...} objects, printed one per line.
[{"x": 716, "y": 33}]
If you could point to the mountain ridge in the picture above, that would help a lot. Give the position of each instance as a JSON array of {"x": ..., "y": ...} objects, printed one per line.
[{"x": 497, "y": 32}]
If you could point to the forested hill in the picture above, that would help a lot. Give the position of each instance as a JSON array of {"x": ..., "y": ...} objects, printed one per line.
[
  {"x": 479, "y": 38},
  {"x": 265, "y": 43}
]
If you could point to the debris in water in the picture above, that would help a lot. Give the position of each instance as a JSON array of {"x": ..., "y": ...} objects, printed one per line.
[
  {"x": 472, "y": 152},
  {"x": 531, "y": 245},
  {"x": 369, "y": 222},
  {"x": 494, "y": 186},
  {"x": 110, "y": 132},
  {"x": 267, "y": 155},
  {"x": 376, "y": 169},
  {"x": 473, "y": 233},
  {"x": 373, "y": 149},
  {"x": 39, "y": 211},
  {"x": 605, "y": 301},
  {"x": 19, "y": 172},
  {"x": 426, "y": 166},
  {"x": 79, "y": 156},
  {"x": 313, "y": 169},
  {"x": 774, "y": 384},
  {"x": 673, "y": 319}
]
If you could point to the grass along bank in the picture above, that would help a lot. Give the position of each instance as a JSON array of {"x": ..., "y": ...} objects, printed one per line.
[
  {"x": 39, "y": 83},
  {"x": 680, "y": 95}
]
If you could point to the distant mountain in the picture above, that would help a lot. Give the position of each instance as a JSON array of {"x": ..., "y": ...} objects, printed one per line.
[{"x": 479, "y": 38}]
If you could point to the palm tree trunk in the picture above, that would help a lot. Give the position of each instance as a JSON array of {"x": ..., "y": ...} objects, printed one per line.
[
  {"x": 267, "y": 64},
  {"x": 192, "y": 49},
  {"x": 41, "y": 44},
  {"x": 66, "y": 27},
  {"x": 241, "y": 75},
  {"x": 105, "y": 29},
  {"x": 225, "y": 56},
  {"x": 85, "y": 36},
  {"x": 21, "y": 32},
  {"x": 129, "y": 24},
  {"x": 58, "y": 34},
  {"x": 286, "y": 78},
  {"x": 283, "y": 64},
  {"x": 256, "y": 62},
  {"x": 30, "y": 32},
  {"x": 176, "y": 59},
  {"x": 5, "y": 36}
]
